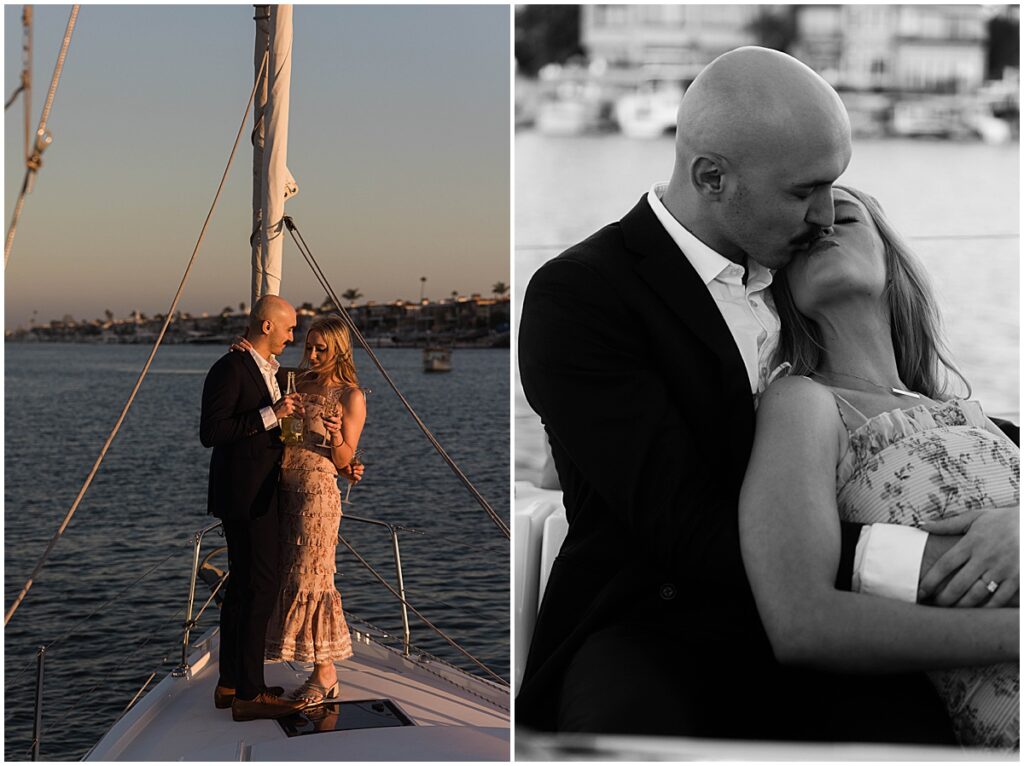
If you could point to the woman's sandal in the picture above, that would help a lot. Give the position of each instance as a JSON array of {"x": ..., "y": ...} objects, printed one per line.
[{"x": 313, "y": 693}]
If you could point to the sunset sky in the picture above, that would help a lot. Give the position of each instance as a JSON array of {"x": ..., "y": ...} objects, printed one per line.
[{"x": 399, "y": 141}]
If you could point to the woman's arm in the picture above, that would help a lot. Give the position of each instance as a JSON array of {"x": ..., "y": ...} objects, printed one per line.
[
  {"x": 345, "y": 440},
  {"x": 789, "y": 534}
]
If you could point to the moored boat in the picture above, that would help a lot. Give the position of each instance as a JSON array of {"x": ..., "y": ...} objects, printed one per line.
[
  {"x": 437, "y": 359},
  {"x": 650, "y": 110}
]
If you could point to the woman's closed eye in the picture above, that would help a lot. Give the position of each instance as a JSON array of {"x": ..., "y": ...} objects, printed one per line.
[{"x": 841, "y": 221}]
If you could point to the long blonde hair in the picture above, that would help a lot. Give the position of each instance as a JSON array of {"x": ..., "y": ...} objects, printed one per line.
[
  {"x": 338, "y": 340},
  {"x": 922, "y": 358}
]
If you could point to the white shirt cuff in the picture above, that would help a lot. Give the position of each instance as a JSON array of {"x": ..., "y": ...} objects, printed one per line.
[
  {"x": 887, "y": 562},
  {"x": 269, "y": 418}
]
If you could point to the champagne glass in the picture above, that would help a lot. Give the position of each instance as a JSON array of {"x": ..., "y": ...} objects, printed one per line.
[
  {"x": 357, "y": 459},
  {"x": 328, "y": 410}
]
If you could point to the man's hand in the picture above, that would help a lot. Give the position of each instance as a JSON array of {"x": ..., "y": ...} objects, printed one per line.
[
  {"x": 288, "y": 405},
  {"x": 988, "y": 551}
]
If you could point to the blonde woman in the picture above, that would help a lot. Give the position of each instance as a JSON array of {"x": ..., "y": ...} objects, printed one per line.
[
  {"x": 308, "y": 624},
  {"x": 865, "y": 431}
]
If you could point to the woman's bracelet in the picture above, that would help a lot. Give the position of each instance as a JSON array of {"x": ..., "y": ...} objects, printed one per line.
[{"x": 341, "y": 444}]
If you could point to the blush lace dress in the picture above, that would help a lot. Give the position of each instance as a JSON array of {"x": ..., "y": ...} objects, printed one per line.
[
  {"x": 308, "y": 624},
  {"x": 924, "y": 464}
]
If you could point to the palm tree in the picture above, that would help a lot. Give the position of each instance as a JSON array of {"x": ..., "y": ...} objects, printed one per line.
[
  {"x": 352, "y": 295},
  {"x": 499, "y": 288},
  {"x": 423, "y": 283}
]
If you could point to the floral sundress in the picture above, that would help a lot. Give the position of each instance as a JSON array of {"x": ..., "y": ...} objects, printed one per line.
[{"x": 924, "y": 464}]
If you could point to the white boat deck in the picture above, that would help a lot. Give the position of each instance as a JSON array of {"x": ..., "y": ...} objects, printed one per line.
[{"x": 457, "y": 717}]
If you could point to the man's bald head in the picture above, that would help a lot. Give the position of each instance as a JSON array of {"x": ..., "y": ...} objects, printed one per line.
[
  {"x": 271, "y": 325},
  {"x": 270, "y": 307},
  {"x": 748, "y": 101},
  {"x": 759, "y": 141}
]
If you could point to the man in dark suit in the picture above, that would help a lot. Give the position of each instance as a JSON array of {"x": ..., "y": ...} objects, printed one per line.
[
  {"x": 641, "y": 348},
  {"x": 242, "y": 407}
]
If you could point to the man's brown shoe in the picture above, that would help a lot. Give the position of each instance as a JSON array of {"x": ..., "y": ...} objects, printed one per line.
[
  {"x": 264, "y": 705},
  {"x": 223, "y": 696}
]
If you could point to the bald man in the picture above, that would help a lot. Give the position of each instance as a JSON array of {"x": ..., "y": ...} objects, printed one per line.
[
  {"x": 641, "y": 348},
  {"x": 241, "y": 411}
]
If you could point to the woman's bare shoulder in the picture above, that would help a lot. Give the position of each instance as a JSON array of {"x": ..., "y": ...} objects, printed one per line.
[
  {"x": 797, "y": 399},
  {"x": 350, "y": 395}
]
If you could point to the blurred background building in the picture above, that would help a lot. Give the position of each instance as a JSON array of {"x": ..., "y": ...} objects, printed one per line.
[{"x": 933, "y": 70}]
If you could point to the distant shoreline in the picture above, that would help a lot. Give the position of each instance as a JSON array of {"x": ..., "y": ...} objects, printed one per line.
[{"x": 458, "y": 322}]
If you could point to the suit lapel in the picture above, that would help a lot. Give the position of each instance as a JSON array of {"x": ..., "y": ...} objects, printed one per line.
[
  {"x": 667, "y": 271},
  {"x": 670, "y": 275}
]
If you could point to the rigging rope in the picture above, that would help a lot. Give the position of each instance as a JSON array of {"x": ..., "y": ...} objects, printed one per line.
[
  {"x": 300, "y": 242},
  {"x": 26, "y": 72},
  {"x": 416, "y": 612},
  {"x": 14, "y": 95},
  {"x": 145, "y": 369},
  {"x": 34, "y": 160}
]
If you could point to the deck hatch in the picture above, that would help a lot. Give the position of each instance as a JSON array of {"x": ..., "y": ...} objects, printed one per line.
[{"x": 345, "y": 716}]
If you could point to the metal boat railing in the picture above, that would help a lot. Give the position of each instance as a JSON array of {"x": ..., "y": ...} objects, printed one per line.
[
  {"x": 393, "y": 529},
  {"x": 192, "y": 616},
  {"x": 190, "y": 621}
]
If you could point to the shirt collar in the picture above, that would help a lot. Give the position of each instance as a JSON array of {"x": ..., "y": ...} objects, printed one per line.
[
  {"x": 267, "y": 365},
  {"x": 706, "y": 261}
]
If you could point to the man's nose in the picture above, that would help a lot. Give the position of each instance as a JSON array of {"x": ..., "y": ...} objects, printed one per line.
[{"x": 822, "y": 211}]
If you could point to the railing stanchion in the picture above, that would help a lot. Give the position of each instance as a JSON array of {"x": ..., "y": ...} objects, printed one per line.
[
  {"x": 37, "y": 726},
  {"x": 182, "y": 669},
  {"x": 401, "y": 591}
]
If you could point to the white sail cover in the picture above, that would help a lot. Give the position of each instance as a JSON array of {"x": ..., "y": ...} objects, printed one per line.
[{"x": 272, "y": 182}]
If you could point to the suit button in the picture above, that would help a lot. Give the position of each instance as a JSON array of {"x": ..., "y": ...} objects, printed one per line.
[{"x": 667, "y": 591}]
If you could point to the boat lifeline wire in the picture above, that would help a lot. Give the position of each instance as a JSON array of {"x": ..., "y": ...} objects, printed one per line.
[
  {"x": 300, "y": 242},
  {"x": 145, "y": 369},
  {"x": 43, "y": 138}
]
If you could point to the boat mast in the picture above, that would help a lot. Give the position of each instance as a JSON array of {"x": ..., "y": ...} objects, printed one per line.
[{"x": 272, "y": 183}]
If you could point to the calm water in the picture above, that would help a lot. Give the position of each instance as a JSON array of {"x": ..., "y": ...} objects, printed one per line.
[
  {"x": 568, "y": 188},
  {"x": 61, "y": 401}
]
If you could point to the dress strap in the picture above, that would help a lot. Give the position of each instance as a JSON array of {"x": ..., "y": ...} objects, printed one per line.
[{"x": 840, "y": 401}]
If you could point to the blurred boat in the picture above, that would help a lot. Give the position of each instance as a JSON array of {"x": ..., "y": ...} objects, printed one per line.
[
  {"x": 650, "y": 110},
  {"x": 437, "y": 359},
  {"x": 569, "y": 101},
  {"x": 931, "y": 118}
]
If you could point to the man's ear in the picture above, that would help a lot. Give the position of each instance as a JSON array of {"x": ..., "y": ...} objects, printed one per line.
[
  {"x": 265, "y": 327},
  {"x": 707, "y": 176}
]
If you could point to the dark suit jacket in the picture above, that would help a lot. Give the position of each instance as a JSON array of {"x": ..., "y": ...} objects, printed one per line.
[
  {"x": 648, "y": 409},
  {"x": 246, "y": 459}
]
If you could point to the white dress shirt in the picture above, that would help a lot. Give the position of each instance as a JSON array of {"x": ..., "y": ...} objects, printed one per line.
[
  {"x": 748, "y": 309},
  {"x": 888, "y": 556},
  {"x": 268, "y": 369}
]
